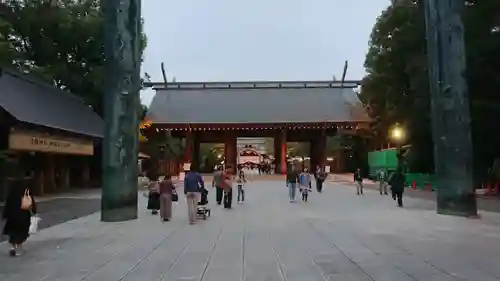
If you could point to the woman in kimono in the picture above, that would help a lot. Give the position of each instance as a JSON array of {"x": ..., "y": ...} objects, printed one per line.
[{"x": 17, "y": 219}]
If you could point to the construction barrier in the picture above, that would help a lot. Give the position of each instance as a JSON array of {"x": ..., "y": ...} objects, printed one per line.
[{"x": 421, "y": 181}]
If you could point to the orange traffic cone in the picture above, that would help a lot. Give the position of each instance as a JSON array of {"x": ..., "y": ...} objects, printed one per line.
[
  {"x": 414, "y": 184},
  {"x": 428, "y": 187}
]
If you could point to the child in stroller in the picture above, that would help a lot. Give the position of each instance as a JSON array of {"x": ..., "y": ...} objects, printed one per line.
[{"x": 203, "y": 210}]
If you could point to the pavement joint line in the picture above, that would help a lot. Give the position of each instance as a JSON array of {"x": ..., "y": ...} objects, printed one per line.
[
  {"x": 316, "y": 265},
  {"x": 106, "y": 245},
  {"x": 392, "y": 264},
  {"x": 243, "y": 245},
  {"x": 442, "y": 270},
  {"x": 70, "y": 239},
  {"x": 97, "y": 268},
  {"x": 174, "y": 262},
  {"x": 207, "y": 263},
  {"x": 278, "y": 260},
  {"x": 322, "y": 236},
  {"x": 149, "y": 254}
]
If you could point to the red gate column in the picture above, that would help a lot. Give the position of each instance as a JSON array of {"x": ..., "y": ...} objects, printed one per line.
[
  {"x": 321, "y": 146},
  {"x": 283, "y": 152},
  {"x": 196, "y": 151},
  {"x": 187, "y": 153},
  {"x": 312, "y": 155},
  {"x": 230, "y": 150},
  {"x": 280, "y": 152}
]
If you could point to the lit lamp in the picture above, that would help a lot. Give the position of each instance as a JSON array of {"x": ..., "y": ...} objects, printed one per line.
[{"x": 398, "y": 136}]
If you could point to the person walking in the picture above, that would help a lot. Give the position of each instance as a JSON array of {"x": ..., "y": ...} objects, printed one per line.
[
  {"x": 19, "y": 207},
  {"x": 358, "y": 180},
  {"x": 216, "y": 182},
  {"x": 193, "y": 184},
  {"x": 382, "y": 182},
  {"x": 305, "y": 184},
  {"x": 241, "y": 186},
  {"x": 167, "y": 194},
  {"x": 292, "y": 178},
  {"x": 153, "y": 196},
  {"x": 321, "y": 176},
  {"x": 227, "y": 186},
  {"x": 397, "y": 183}
]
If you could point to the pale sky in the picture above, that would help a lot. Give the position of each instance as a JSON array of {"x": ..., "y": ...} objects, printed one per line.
[{"x": 230, "y": 40}]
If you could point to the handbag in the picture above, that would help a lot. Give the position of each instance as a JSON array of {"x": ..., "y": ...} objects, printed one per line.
[
  {"x": 26, "y": 201},
  {"x": 34, "y": 224},
  {"x": 175, "y": 197}
]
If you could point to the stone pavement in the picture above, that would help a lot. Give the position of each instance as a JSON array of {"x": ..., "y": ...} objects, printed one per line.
[
  {"x": 487, "y": 204},
  {"x": 335, "y": 236},
  {"x": 60, "y": 208}
]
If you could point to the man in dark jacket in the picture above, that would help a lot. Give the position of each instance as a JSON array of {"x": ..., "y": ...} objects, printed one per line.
[
  {"x": 397, "y": 183},
  {"x": 358, "y": 180},
  {"x": 193, "y": 185}
]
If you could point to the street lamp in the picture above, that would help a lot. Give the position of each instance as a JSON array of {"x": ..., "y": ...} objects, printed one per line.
[{"x": 398, "y": 136}]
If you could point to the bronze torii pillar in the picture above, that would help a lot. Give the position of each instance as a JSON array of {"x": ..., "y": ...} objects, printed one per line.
[{"x": 122, "y": 33}]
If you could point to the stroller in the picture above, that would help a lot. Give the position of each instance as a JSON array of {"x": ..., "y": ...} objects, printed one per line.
[{"x": 203, "y": 211}]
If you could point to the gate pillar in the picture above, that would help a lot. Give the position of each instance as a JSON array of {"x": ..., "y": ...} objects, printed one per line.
[
  {"x": 230, "y": 152},
  {"x": 280, "y": 152}
]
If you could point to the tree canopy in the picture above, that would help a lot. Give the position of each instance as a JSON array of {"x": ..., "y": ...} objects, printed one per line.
[
  {"x": 59, "y": 40},
  {"x": 396, "y": 87}
]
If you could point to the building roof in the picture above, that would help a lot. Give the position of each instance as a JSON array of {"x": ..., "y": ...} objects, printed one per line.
[
  {"x": 34, "y": 102},
  {"x": 269, "y": 102}
]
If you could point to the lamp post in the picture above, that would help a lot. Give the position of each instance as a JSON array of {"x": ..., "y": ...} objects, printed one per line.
[
  {"x": 122, "y": 27},
  {"x": 450, "y": 107}
]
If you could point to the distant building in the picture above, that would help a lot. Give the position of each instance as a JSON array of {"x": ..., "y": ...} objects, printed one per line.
[{"x": 251, "y": 150}]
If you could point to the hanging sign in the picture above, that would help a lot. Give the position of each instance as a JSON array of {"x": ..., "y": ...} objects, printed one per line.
[{"x": 30, "y": 141}]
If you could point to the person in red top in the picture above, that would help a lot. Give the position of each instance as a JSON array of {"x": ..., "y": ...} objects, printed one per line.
[{"x": 227, "y": 186}]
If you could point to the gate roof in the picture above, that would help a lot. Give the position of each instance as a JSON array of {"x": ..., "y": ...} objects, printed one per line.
[{"x": 256, "y": 103}]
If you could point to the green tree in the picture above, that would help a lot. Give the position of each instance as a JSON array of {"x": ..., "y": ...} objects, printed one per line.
[
  {"x": 396, "y": 87},
  {"x": 60, "y": 40}
]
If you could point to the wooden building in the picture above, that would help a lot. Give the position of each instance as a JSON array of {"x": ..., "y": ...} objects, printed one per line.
[
  {"x": 220, "y": 112},
  {"x": 47, "y": 136}
]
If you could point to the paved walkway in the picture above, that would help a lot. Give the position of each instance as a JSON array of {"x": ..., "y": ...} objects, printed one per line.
[
  {"x": 491, "y": 204},
  {"x": 335, "y": 236}
]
